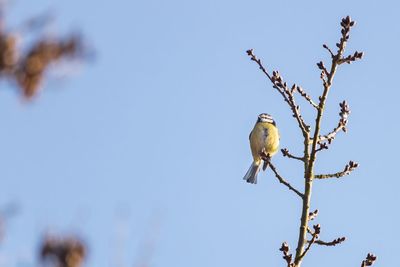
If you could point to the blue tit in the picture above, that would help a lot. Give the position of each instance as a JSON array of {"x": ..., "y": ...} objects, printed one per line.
[{"x": 264, "y": 140}]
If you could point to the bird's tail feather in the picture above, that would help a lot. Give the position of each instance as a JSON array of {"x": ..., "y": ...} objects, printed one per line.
[{"x": 251, "y": 174}]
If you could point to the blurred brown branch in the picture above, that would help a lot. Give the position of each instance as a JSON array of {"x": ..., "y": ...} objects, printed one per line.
[
  {"x": 31, "y": 68},
  {"x": 7, "y": 212},
  {"x": 28, "y": 67},
  {"x": 63, "y": 251}
]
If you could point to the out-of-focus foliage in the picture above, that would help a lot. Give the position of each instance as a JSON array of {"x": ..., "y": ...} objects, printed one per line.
[
  {"x": 27, "y": 67},
  {"x": 63, "y": 252}
]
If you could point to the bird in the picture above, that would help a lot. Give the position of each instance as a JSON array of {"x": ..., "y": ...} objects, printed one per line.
[{"x": 264, "y": 143}]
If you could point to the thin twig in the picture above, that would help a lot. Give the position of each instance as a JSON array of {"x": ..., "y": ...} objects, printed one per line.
[
  {"x": 312, "y": 215},
  {"x": 329, "y": 50},
  {"x": 282, "y": 88},
  {"x": 330, "y": 136},
  {"x": 333, "y": 175},
  {"x": 258, "y": 61},
  {"x": 315, "y": 236},
  {"x": 307, "y": 97},
  {"x": 284, "y": 182},
  {"x": 344, "y": 115},
  {"x": 334, "y": 242},
  {"x": 351, "y": 58},
  {"x": 321, "y": 147},
  {"x": 287, "y": 256},
  {"x": 322, "y": 67},
  {"x": 286, "y": 153},
  {"x": 351, "y": 166},
  {"x": 324, "y": 72},
  {"x": 369, "y": 260}
]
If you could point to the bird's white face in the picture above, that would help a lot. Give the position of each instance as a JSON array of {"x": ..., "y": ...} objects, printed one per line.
[{"x": 264, "y": 117}]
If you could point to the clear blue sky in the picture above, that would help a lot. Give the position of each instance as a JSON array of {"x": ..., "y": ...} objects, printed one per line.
[{"x": 150, "y": 141}]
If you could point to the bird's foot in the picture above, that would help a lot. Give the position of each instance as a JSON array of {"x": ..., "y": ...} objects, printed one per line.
[{"x": 266, "y": 158}]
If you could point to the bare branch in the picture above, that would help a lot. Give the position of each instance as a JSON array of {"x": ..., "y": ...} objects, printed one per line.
[
  {"x": 312, "y": 215},
  {"x": 296, "y": 113},
  {"x": 334, "y": 242},
  {"x": 329, "y": 50},
  {"x": 369, "y": 260},
  {"x": 283, "y": 181},
  {"x": 286, "y": 153},
  {"x": 283, "y": 89},
  {"x": 344, "y": 114},
  {"x": 324, "y": 73},
  {"x": 315, "y": 236},
  {"x": 267, "y": 160},
  {"x": 322, "y": 67},
  {"x": 351, "y": 166},
  {"x": 351, "y": 58},
  {"x": 330, "y": 136},
  {"x": 321, "y": 147},
  {"x": 307, "y": 97},
  {"x": 313, "y": 142},
  {"x": 258, "y": 61},
  {"x": 287, "y": 256},
  {"x": 346, "y": 24}
]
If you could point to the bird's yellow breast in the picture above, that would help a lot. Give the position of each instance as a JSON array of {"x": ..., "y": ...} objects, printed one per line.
[{"x": 264, "y": 136}]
